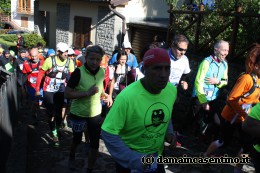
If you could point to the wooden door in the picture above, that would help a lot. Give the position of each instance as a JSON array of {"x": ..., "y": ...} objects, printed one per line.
[
  {"x": 82, "y": 29},
  {"x": 24, "y": 22}
]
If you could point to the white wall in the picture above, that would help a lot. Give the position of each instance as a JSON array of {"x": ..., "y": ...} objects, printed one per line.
[
  {"x": 139, "y": 9},
  {"x": 134, "y": 10},
  {"x": 16, "y": 17}
]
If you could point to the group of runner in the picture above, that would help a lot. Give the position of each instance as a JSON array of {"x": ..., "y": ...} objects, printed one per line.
[{"x": 140, "y": 120}]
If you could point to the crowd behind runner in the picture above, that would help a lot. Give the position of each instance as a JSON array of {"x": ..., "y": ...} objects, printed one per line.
[{"x": 58, "y": 65}]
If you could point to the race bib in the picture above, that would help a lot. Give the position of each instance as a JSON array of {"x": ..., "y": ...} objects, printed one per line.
[
  {"x": 21, "y": 66},
  {"x": 77, "y": 125},
  {"x": 33, "y": 80},
  {"x": 59, "y": 75},
  {"x": 55, "y": 85},
  {"x": 246, "y": 107},
  {"x": 208, "y": 92}
]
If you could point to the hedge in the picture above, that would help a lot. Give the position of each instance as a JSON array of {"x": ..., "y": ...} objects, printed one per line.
[{"x": 29, "y": 39}]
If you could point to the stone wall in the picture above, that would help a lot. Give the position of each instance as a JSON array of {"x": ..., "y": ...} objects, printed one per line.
[
  {"x": 105, "y": 29},
  {"x": 63, "y": 21}
]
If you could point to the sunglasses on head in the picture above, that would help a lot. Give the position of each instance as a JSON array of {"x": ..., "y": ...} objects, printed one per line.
[{"x": 180, "y": 49}]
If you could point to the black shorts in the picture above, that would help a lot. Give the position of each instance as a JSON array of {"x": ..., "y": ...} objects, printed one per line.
[{"x": 91, "y": 124}]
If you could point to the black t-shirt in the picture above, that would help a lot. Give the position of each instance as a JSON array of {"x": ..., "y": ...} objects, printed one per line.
[
  {"x": 4, "y": 61},
  {"x": 74, "y": 79}
]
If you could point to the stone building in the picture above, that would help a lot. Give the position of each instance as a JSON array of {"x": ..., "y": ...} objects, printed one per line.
[{"x": 104, "y": 22}]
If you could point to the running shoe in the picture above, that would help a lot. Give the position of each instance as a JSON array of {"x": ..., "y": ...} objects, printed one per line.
[{"x": 56, "y": 141}]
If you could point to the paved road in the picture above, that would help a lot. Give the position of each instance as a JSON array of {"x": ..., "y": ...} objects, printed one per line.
[{"x": 33, "y": 151}]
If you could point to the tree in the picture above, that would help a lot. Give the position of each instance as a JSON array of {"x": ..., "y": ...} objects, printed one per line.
[{"x": 5, "y": 7}]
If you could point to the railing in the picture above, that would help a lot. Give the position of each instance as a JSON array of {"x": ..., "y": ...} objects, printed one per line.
[
  {"x": 8, "y": 113},
  {"x": 25, "y": 10},
  {"x": 202, "y": 37}
]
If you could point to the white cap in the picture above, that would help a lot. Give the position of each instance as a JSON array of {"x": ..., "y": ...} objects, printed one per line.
[
  {"x": 71, "y": 51},
  {"x": 127, "y": 44},
  {"x": 63, "y": 47}
]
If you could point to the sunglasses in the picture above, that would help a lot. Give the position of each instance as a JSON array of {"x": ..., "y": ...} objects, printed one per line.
[{"x": 180, "y": 49}]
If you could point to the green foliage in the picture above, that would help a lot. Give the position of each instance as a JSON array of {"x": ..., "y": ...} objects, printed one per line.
[
  {"x": 32, "y": 40},
  {"x": 172, "y": 2},
  {"x": 5, "y": 7},
  {"x": 7, "y": 43},
  {"x": 214, "y": 22},
  {"x": 29, "y": 39},
  {"x": 9, "y": 37},
  {"x": 3, "y": 31}
]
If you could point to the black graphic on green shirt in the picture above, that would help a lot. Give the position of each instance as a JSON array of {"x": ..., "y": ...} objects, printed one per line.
[{"x": 157, "y": 118}]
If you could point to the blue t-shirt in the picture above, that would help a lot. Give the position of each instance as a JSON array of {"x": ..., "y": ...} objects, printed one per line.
[{"x": 131, "y": 60}]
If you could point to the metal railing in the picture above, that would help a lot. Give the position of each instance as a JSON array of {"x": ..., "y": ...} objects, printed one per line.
[
  {"x": 8, "y": 113},
  {"x": 8, "y": 100}
]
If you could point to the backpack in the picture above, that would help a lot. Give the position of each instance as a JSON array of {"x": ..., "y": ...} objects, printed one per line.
[
  {"x": 252, "y": 89},
  {"x": 54, "y": 70},
  {"x": 129, "y": 77},
  {"x": 123, "y": 80}
]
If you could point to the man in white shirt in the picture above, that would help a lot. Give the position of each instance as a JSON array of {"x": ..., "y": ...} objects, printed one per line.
[
  {"x": 180, "y": 69},
  {"x": 179, "y": 62}
]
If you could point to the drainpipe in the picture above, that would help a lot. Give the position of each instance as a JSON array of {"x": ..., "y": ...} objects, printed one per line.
[{"x": 123, "y": 23}]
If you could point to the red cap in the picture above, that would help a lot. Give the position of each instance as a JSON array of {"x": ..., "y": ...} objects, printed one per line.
[
  {"x": 154, "y": 56},
  {"x": 77, "y": 52}
]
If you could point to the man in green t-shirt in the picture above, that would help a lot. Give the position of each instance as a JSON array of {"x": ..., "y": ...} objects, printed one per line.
[
  {"x": 252, "y": 126},
  {"x": 140, "y": 118}
]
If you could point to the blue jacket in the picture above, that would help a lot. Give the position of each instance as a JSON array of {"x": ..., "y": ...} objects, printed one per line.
[
  {"x": 131, "y": 60},
  {"x": 209, "y": 68}
]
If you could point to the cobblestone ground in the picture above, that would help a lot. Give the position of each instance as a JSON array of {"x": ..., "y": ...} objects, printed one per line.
[{"x": 42, "y": 157}]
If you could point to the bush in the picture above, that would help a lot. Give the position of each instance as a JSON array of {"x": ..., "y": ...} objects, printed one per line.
[
  {"x": 213, "y": 22},
  {"x": 3, "y": 31},
  {"x": 32, "y": 40},
  {"x": 6, "y": 43},
  {"x": 29, "y": 39}
]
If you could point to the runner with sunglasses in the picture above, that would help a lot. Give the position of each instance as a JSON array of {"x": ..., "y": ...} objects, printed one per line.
[{"x": 179, "y": 76}]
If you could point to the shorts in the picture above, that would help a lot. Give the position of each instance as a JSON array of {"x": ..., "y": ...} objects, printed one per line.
[{"x": 80, "y": 124}]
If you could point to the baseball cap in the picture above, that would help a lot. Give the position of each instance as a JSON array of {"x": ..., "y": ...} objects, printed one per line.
[
  {"x": 127, "y": 44},
  {"x": 12, "y": 53},
  {"x": 22, "y": 51},
  {"x": 71, "y": 51},
  {"x": 77, "y": 52},
  {"x": 63, "y": 47},
  {"x": 50, "y": 51},
  {"x": 6, "y": 52},
  {"x": 154, "y": 56},
  {"x": 83, "y": 49}
]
